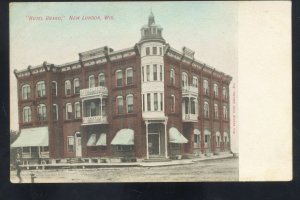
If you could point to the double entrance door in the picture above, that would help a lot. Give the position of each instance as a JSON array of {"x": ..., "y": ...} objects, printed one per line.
[{"x": 154, "y": 143}]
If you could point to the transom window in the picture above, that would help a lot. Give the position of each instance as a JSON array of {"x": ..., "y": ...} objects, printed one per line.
[
  {"x": 41, "y": 89},
  {"x": 26, "y": 93},
  {"x": 42, "y": 112},
  {"x": 26, "y": 114},
  {"x": 129, "y": 76},
  {"x": 119, "y": 104},
  {"x": 91, "y": 81},
  {"x": 129, "y": 100},
  {"x": 119, "y": 76},
  {"x": 101, "y": 79},
  {"x": 67, "y": 87},
  {"x": 76, "y": 86}
]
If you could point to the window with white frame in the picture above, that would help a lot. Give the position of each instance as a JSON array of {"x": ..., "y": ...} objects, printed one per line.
[
  {"x": 193, "y": 106},
  {"x": 172, "y": 77},
  {"x": 206, "y": 109},
  {"x": 103, "y": 105},
  {"x": 196, "y": 140},
  {"x": 147, "y": 51},
  {"x": 154, "y": 50},
  {"x": 119, "y": 104},
  {"x": 148, "y": 72},
  {"x": 54, "y": 88},
  {"x": 160, "y": 51},
  {"x": 143, "y": 74},
  {"x": 92, "y": 81},
  {"x": 26, "y": 114},
  {"x": 68, "y": 111},
  {"x": 225, "y": 114},
  {"x": 129, "y": 76},
  {"x": 41, "y": 88},
  {"x": 67, "y": 87},
  {"x": 216, "y": 89},
  {"x": 148, "y": 102},
  {"x": 172, "y": 103},
  {"x": 76, "y": 86},
  {"x": 184, "y": 80},
  {"x": 161, "y": 72},
  {"x": 77, "y": 110},
  {"x": 101, "y": 79},
  {"x": 129, "y": 101},
  {"x": 155, "y": 102},
  {"x": 42, "y": 112},
  {"x": 205, "y": 86},
  {"x": 92, "y": 109},
  {"x": 26, "y": 93},
  {"x": 216, "y": 111},
  {"x": 206, "y": 139},
  {"x": 55, "y": 112},
  {"x": 155, "y": 72},
  {"x": 144, "y": 102},
  {"x": 195, "y": 82},
  {"x": 161, "y": 102},
  {"x": 224, "y": 92},
  {"x": 119, "y": 77},
  {"x": 70, "y": 143}
]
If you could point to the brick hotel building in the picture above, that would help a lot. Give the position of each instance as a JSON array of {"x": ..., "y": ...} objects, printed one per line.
[{"x": 149, "y": 101}]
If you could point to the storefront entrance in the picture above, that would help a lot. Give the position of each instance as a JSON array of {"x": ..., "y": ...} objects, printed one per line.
[
  {"x": 78, "y": 150},
  {"x": 154, "y": 144}
]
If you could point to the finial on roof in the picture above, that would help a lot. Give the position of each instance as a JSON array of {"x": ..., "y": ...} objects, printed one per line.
[{"x": 151, "y": 19}]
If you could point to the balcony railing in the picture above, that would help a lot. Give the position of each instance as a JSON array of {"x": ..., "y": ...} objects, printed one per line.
[
  {"x": 94, "y": 120},
  {"x": 94, "y": 91},
  {"x": 190, "y": 117},
  {"x": 190, "y": 90}
]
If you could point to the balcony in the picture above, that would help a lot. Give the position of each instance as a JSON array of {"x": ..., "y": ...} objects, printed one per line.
[
  {"x": 94, "y": 120},
  {"x": 190, "y": 91},
  {"x": 94, "y": 92},
  {"x": 190, "y": 117}
]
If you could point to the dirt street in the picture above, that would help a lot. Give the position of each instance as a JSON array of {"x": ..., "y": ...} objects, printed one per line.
[{"x": 209, "y": 170}]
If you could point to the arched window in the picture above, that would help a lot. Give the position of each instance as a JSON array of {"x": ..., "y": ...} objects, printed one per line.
[
  {"x": 76, "y": 86},
  {"x": 225, "y": 114},
  {"x": 195, "y": 81},
  {"x": 91, "y": 81},
  {"x": 101, "y": 79},
  {"x": 172, "y": 103},
  {"x": 42, "y": 112},
  {"x": 119, "y": 78},
  {"x": 216, "y": 89},
  {"x": 205, "y": 87},
  {"x": 129, "y": 101},
  {"x": 184, "y": 80},
  {"x": 68, "y": 111},
  {"x": 26, "y": 93},
  {"x": 224, "y": 92},
  {"x": 129, "y": 76},
  {"x": 54, "y": 88},
  {"x": 172, "y": 77},
  {"x": 206, "y": 109},
  {"x": 55, "y": 112},
  {"x": 119, "y": 104},
  {"x": 67, "y": 87},
  {"x": 41, "y": 89},
  {"x": 77, "y": 110},
  {"x": 26, "y": 114},
  {"x": 216, "y": 111}
]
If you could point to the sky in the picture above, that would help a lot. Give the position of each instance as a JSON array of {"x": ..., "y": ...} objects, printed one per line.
[{"x": 208, "y": 28}]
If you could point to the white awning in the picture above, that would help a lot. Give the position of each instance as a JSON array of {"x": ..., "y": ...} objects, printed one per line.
[
  {"x": 124, "y": 137},
  {"x": 196, "y": 132},
  {"x": 102, "y": 140},
  {"x": 92, "y": 140},
  {"x": 206, "y": 132},
  {"x": 32, "y": 137},
  {"x": 176, "y": 137},
  {"x": 218, "y": 133}
]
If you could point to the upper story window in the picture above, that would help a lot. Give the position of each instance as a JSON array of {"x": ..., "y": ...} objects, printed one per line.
[
  {"x": 161, "y": 102},
  {"x": 155, "y": 102},
  {"x": 184, "y": 78},
  {"x": 206, "y": 109},
  {"x": 92, "y": 81},
  {"x": 172, "y": 76},
  {"x": 172, "y": 103},
  {"x": 101, "y": 79},
  {"x": 129, "y": 101},
  {"x": 119, "y": 104},
  {"x": 41, "y": 88},
  {"x": 92, "y": 109},
  {"x": 193, "y": 106},
  {"x": 26, "y": 114},
  {"x": 143, "y": 73},
  {"x": 216, "y": 89},
  {"x": 160, "y": 51},
  {"x": 129, "y": 76},
  {"x": 42, "y": 112},
  {"x": 147, "y": 51},
  {"x": 205, "y": 87},
  {"x": 225, "y": 112},
  {"x": 77, "y": 110},
  {"x": 55, "y": 112},
  {"x": 154, "y": 50},
  {"x": 76, "y": 86},
  {"x": 216, "y": 111},
  {"x": 67, "y": 87},
  {"x": 195, "y": 81},
  {"x": 224, "y": 92},
  {"x": 119, "y": 77},
  {"x": 54, "y": 88},
  {"x": 161, "y": 72},
  {"x": 148, "y": 72},
  {"x": 155, "y": 72},
  {"x": 26, "y": 93},
  {"x": 148, "y": 102},
  {"x": 68, "y": 111}
]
